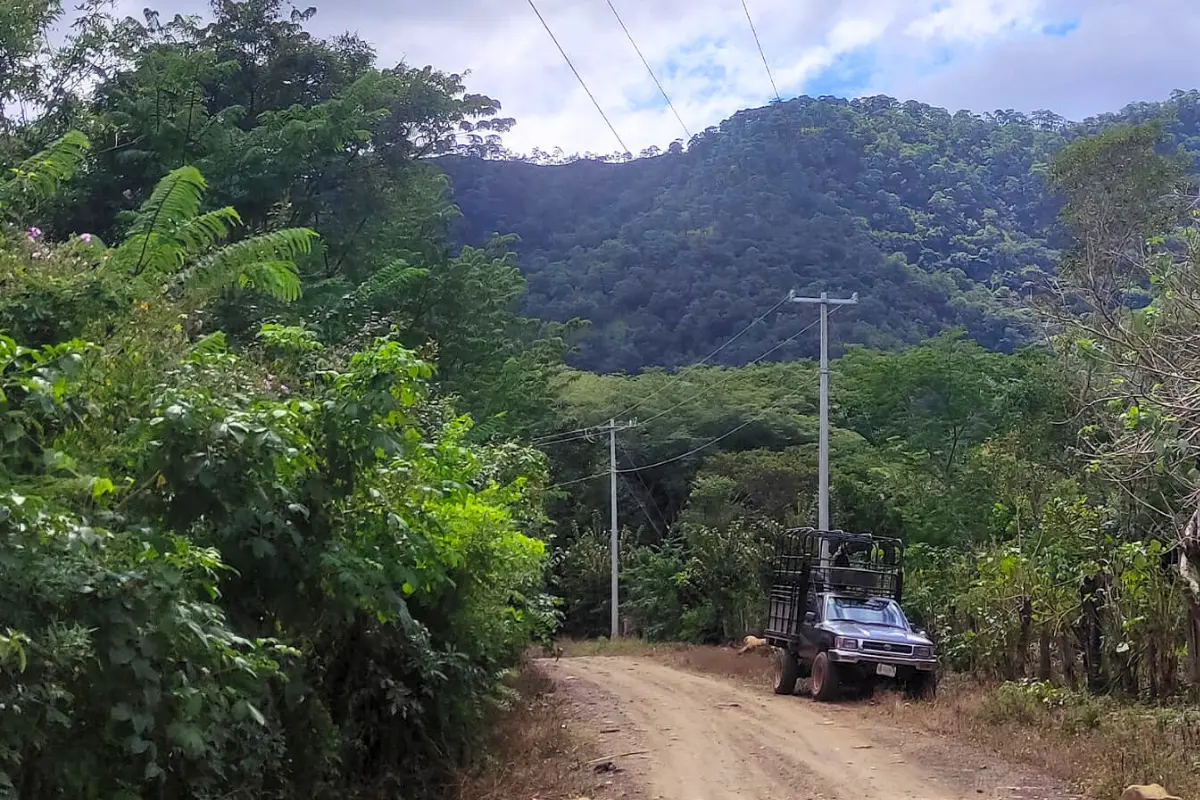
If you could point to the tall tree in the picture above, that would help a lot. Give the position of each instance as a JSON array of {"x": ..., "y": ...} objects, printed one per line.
[{"x": 1138, "y": 359}]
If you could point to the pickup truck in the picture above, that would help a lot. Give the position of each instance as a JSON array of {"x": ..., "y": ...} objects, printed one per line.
[
  {"x": 857, "y": 642},
  {"x": 835, "y": 617}
]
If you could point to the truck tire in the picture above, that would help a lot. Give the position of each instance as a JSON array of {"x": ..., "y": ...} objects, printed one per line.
[
  {"x": 824, "y": 679},
  {"x": 787, "y": 672}
]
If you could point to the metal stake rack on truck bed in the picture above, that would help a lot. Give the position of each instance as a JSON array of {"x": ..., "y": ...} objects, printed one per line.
[
  {"x": 810, "y": 560},
  {"x": 835, "y": 617}
]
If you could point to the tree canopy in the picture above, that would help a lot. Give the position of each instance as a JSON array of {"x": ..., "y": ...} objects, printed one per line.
[{"x": 939, "y": 220}]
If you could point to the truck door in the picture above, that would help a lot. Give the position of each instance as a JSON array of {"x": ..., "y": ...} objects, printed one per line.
[{"x": 809, "y": 636}]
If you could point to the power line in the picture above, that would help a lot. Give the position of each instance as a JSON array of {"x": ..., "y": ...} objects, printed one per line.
[
  {"x": 578, "y": 77},
  {"x": 649, "y": 494},
  {"x": 710, "y": 442},
  {"x": 687, "y": 370},
  {"x": 565, "y": 484},
  {"x": 587, "y": 430},
  {"x": 646, "y": 511},
  {"x": 646, "y": 63},
  {"x": 760, "y": 50},
  {"x": 692, "y": 452},
  {"x": 569, "y": 436},
  {"x": 684, "y": 402},
  {"x": 730, "y": 377}
]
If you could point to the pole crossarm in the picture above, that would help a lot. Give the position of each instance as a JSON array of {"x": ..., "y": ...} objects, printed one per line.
[{"x": 852, "y": 300}]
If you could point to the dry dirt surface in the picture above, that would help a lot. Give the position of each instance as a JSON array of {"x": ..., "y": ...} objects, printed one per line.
[{"x": 676, "y": 735}]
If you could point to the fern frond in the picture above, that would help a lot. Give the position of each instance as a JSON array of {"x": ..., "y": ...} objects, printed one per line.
[
  {"x": 278, "y": 279},
  {"x": 327, "y": 293},
  {"x": 40, "y": 176},
  {"x": 204, "y": 232},
  {"x": 386, "y": 286},
  {"x": 213, "y": 344},
  {"x": 265, "y": 263},
  {"x": 150, "y": 253},
  {"x": 176, "y": 199},
  {"x": 150, "y": 245}
]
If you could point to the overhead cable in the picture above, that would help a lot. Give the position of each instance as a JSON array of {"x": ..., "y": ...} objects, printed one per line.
[{"x": 579, "y": 77}]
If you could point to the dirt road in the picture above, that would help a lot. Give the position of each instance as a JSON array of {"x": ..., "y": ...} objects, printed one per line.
[{"x": 704, "y": 738}]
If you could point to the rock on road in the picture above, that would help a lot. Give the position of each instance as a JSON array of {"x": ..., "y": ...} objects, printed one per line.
[{"x": 697, "y": 737}]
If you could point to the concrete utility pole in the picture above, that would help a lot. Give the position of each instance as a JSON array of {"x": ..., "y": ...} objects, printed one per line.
[
  {"x": 614, "y": 545},
  {"x": 612, "y": 488},
  {"x": 824, "y": 301}
]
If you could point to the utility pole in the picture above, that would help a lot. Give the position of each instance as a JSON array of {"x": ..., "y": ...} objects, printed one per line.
[
  {"x": 614, "y": 545},
  {"x": 824, "y": 301}
]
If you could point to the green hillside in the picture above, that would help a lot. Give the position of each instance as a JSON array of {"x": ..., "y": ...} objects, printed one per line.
[{"x": 936, "y": 219}]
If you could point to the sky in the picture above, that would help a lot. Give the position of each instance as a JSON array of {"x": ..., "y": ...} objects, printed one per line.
[{"x": 1074, "y": 57}]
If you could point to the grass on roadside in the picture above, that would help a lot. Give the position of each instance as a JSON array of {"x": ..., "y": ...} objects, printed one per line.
[
  {"x": 1099, "y": 744},
  {"x": 533, "y": 748}
]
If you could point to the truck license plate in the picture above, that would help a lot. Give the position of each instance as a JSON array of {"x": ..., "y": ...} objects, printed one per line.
[{"x": 886, "y": 670}]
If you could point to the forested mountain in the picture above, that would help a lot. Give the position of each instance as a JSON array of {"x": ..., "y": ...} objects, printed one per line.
[
  {"x": 934, "y": 218},
  {"x": 287, "y": 473}
]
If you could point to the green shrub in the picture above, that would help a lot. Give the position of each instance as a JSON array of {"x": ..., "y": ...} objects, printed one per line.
[{"x": 276, "y": 572}]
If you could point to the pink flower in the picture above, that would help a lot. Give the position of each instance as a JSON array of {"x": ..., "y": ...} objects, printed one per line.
[
  {"x": 34, "y": 233},
  {"x": 86, "y": 238}
]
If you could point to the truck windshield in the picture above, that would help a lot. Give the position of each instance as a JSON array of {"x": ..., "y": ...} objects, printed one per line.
[{"x": 871, "y": 611}]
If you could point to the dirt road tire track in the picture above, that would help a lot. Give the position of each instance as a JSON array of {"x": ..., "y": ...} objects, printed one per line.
[{"x": 709, "y": 739}]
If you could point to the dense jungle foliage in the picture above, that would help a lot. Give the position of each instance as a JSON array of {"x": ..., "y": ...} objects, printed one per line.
[
  {"x": 285, "y": 470},
  {"x": 938, "y": 220},
  {"x": 264, "y": 527},
  {"x": 1047, "y": 496}
]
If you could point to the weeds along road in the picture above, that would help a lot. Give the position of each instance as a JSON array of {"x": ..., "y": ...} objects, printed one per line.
[{"x": 679, "y": 735}]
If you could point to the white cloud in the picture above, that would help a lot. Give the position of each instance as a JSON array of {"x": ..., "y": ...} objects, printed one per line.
[
  {"x": 978, "y": 54},
  {"x": 975, "y": 20}
]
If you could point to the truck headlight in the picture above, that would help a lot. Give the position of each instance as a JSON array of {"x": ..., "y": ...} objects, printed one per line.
[
  {"x": 922, "y": 651},
  {"x": 842, "y": 643}
]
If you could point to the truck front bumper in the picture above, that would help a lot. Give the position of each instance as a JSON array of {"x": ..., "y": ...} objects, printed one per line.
[{"x": 869, "y": 660}]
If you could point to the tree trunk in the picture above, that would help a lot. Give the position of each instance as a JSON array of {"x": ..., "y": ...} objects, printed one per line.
[
  {"x": 1153, "y": 668},
  {"x": 1091, "y": 636},
  {"x": 973, "y": 627},
  {"x": 1193, "y": 643},
  {"x": 1044, "y": 664},
  {"x": 1130, "y": 682},
  {"x": 1066, "y": 643},
  {"x": 1189, "y": 559},
  {"x": 1022, "y": 655},
  {"x": 1168, "y": 682}
]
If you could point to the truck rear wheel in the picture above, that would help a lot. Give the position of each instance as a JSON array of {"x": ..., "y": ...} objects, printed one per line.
[
  {"x": 787, "y": 672},
  {"x": 824, "y": 678}
]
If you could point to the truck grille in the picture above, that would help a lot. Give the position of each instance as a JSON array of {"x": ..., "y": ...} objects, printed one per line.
[{"x": 887, "y": 647}]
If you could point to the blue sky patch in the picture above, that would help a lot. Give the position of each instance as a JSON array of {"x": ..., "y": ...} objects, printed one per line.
[
  {"x": 1059, "y": 29},
  {"x": 847, "y": 76}
]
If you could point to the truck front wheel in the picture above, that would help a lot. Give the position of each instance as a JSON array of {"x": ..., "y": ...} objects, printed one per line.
[
  {"x": 824, "y": 678},
  {"x": 787, "y": 672}
]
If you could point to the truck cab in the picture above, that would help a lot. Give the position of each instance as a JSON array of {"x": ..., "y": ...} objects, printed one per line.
[{"x": 835, "y": 617}]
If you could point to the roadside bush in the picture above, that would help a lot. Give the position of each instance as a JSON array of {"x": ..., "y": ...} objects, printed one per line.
[
  {"x": 275, "y": 572},
  {"x": 706, "y": 586}
]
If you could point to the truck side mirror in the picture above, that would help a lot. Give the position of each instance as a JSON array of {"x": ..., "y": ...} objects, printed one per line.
[{"x": 810, "y": 617}]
